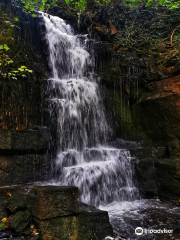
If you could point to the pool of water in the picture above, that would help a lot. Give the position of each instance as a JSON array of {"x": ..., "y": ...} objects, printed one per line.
[{"x": 144, "y": 219}]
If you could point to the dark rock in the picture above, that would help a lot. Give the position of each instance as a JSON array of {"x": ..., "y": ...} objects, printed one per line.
[
  {"x": 89, "y": 224},
  {"x": 158, "y": 114},
  {"x": 89, "y": 229},
  {"x": 20, "y": 220},
  {"x": 54, "y": 201},
  {"x": 27, "y": 168},
  {"x": 168, "y": 182},
  {"x": 35, "y": 140},
  {"x": 5, "y": 235},
  {"x": 70, "y": 15},
  {"x": 63, "y": 228},
  {"x": 147, "y": 178},
  {"x": 55, "y": 212},
  {"x": 15, "y": 198}
]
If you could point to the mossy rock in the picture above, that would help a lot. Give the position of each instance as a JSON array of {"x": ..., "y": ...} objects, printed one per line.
[
  {"x": 20, "y": 221},
  {"x": 64, "y": 228}
]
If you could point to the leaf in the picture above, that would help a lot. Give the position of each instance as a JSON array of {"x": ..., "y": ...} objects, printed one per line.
[{"x": 4, "y": 47}]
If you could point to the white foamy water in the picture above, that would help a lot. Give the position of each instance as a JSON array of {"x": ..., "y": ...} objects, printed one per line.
[{"x": 102, "y": 173}]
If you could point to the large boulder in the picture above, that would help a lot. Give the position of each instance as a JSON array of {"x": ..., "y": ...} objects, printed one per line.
[
  {"x": 52, "y": 213},
  {"x": 94, "y": 223},
  {"x": 54, "y": 201}
]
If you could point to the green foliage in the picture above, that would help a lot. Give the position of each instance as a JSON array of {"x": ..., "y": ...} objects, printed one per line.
[
  {"x": 77, "y": 4},
  {"x": 31, "y": 6},
  {"x": 171, "y": 4},
  {"x": 132, "y": 3},
  {"x": 2, "y": 226},
  {"x": 103, "y": 2},
  {"x": 7, "y": 69},
  {"x": 4, "y": 47}
]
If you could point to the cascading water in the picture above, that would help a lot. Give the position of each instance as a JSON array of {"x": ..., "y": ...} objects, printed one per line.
[{"x": 103, "y": 173}]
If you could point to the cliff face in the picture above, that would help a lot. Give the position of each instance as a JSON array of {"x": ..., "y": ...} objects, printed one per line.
[
  {"x": 137, "y": 58},
  {"x": 20, "y": 98}
]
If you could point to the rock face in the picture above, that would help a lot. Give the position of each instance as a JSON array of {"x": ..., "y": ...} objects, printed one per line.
[
  {"x": 144, "y": 105},
  {"x": 32, "y": 140},
  {"x": 52, "y": 202},
  {"x": 158, "y": 115},
  {"x": 23, "y": 156},
  {"x": 51, "y": 213},
  {"x": 94, "y": 223}
]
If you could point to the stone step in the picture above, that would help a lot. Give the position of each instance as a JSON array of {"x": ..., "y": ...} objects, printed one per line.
[
  {"x": 92, "y": 156},
  {"x": 89, "y": 165}
]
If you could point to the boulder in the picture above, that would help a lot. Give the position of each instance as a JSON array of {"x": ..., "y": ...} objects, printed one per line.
[
  {"x": 64, "y": 228},
  {"x": 51, "y": 212},
  {"x": 54, "y": 201},
  {"x": 93, "y": 224}
]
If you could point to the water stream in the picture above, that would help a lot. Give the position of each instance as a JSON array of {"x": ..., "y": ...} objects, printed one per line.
[{"x": 103, "y": 173}]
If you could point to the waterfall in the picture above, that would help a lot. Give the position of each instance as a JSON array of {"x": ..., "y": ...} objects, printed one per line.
[{"x": 102, "y": 173}]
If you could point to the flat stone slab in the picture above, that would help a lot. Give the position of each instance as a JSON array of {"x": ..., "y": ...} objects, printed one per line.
[{"x": 35, "y": 140}]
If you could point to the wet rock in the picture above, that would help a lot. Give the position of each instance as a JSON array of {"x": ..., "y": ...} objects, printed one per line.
[
  {"x": 169, "y": 182},
  {"x": 70, "y": 15},
  {"x": 15, "y": 197},
  {"x": 53, "y": 213},
  {"x": 54, "y": 201},
  {"x": 158, "y": 114},
  {"x": 26, "y": 168},
  {"x": 31, "y": 140},
  {"x": 20, "y": 220},
  {"x": 4, "y": 235},
  {"x": 89, "y": 224},
  {"x": 23, "y": 156},
  {"x": 146, "y": 174},
  {"x": 63, "y": 228},
  {"x": 88, "y": 219}
]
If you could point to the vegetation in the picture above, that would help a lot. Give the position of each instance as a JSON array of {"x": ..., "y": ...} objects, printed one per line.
[
  {"x": 33, "y": 5},
  {"x": 156, "y": 39},
  {"x": 14, "y": 74},
  {"x": 172, "y": 4},
  {"x": 7, "y": 69}
]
